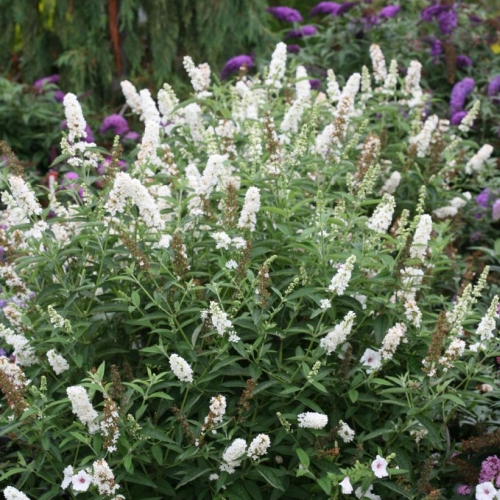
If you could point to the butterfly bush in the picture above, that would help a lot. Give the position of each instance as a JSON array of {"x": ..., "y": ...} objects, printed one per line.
[{"x": 266, "y": 301}]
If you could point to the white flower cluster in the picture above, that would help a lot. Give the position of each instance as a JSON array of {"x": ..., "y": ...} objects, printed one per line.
[
  {"x": 488, "y": 322},
  {"x": 378, "y": 63},
  {"x": 341, "y": 280},
  {"x": 339, "y": 334},
  {"x": 332, "y": 86},
  {"x": 292, "y": 117},
  {"x": 372, "y": 359},
  {"x": 422, "y": 140},
  {"x": 248, "y": 217},
  {"x": 12, "y": 493},
  {"x": 132, "y": 97},
  {"x": 109, "y": 425},
  {"x": 312, "y": 420},
  {"x": 24, "y": 353},
  {"x": 200, "y": 76},
  {"x": 470, "y": 117},
  {"x": 82, "y": 407},
  {"x": 421, "y": 237},
  {"x": 217, "y": 410},
  {"x": 392, "y": 79},
  {"x": 148, "y": 107},
  {"x": 233, "y": 454},
  {"x": 167, "y": 101},
  {"x": 277, "y": 66},
  {"x": 392, "y": 183},
  {"x": 382, "y": 216},
  {"x": 412, "y": 84},
  {"x": 476, "y": 163},
  {"x": 125, "y": 188},
  {"x": 392, "y": 339},
  {"x": 302, "y": 86},
  {"x": 147, "y": 155},
  {"x": 22, "y": 203},
  {"x": 455, "y": 205},
  {"x": 419, "y": 434},
  {"x": 245, "y": 102},
  {"x": 104, "y": 478},
  {"x": 57, "y": 362},
  {"x": 222, "y": 240},
  {"x": 345, "y": 432},
  {"x": 181, "y": 368},
  {"x": 13, "y": 372},
  {"x": 454, "y": 351},
  {"x": 218, "y": 318},
  {"x": 258, "y": 447},
  {"x": 74, "y": 117}
]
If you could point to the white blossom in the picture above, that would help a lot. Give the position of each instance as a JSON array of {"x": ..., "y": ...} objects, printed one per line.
[
  {"x": 422, "y": 140},
  {"x": 341, "y": 280},
  {"x": 277, "y": 66},
  {"x": 74, "y": 118},
  {"x": 167, "y": 101},
  {"x": 12, "y": 493},
  {"x": 258, "y": 447},
  {"x": 372, "y": 359},
  {"x": 476, "y": 163},
  {"x": 132, "y": 97},
  {"x": 68, "y": 474},
  {"x": 248, "y": 217},
  {"x": 378, "y": 63},
  {"x": 22, "y": 203},
  {"x": 181, "y": 368},
  {"x": 104, "y": 478},
  {"x": 57, "y": 362},
  {"x": 345, "y": 432},
  {"x": 339, "y": 334},
  {"x": 412, "y": 84},
  {"x": 233, "y": 454},
  {"x": 217, "y": 317},
  {"x": 199, "y": 75},
  {"x": 421, "y": 237},
  {"x": 222, "y": 240},
  {"x": 217, "y": 410},
  {"x": 332, "y": 86},
  {"x": 312, "y": 420},
  {"x": 302, "y": 86},
  {"x": 346, "y": 486},
  {"x": 486, "y": 491},
  {"x": 81, "y": 481},
  {"x": 382, "y": 216},
  {"x": 392, "y": 183},
  {"x": 379, "y": 467},
  {"x": 82, "y": 407},
  {"x": 392, "y": 339}
]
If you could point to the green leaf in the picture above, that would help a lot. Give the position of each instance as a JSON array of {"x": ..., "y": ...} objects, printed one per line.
[
  {"x": 136, "y": 298},
  {"x": 353, "y": 395},
  {"x": 157, "y": 453},
  {"x": 192, "y": 474},
  {"x": 271, "y": 477},
  {"x": 303, "y": 457}
]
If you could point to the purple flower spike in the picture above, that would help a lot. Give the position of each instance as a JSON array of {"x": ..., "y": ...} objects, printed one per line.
[
  {"x": 436, "y": 50},
  {"x": 389, "y": 11},
  {"x": 302, "y": 32},
  {"x": 315, "y": 84},
  {"x": 286, "y": 14},
  {"x": 132, "y": 136},
  {"x": 457, "y": 118},
  {"x": 59, "y": 95},
  {"x": 345, "y": 7},
  {"x": 459, "y": 93},
  {"x": 464, "y": 489},
  {"x": 90, "y": 135},
  {"x": 463, "y": 61},
  {"x": 483, "y": 198},
  {"x": 117, "y": 123},
  {"x": 234, "y": 64},
  {"x": 293, "y": 49},
  {"x": 494, "y": 89},
  {"x": 433, "y": 10},
  {"x": 46, "y": 79},
  {"x": 447, "y": 21},
  {"x": 325, "y": 8}
]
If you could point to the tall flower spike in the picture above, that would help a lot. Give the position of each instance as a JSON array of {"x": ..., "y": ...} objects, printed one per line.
[
  {"x": 277, "y": 67},
  {"x": 378, "y": 63},
  {"x": 382, "y": 216},
  {"x": 248, "y": 217},
  {"x": 421, "y": 237},
  {"x": 74, "y": 116},
  {"x": 341, "y": 280},
  {"x": 339, "y": 334}
]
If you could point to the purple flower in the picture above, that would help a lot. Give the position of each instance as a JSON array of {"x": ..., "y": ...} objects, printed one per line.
[
  {"x": 132, "y": 136},
  {"x": 315, "y": 84},
  {"x": 59, "y": 95},
  {"x": 433, "y": 10},
  {"x": 464, "y": 489},
  {"x": 495, "y": 214},
  {"x": 3, "y": 303},
  {"x": 436, "y": 49},
  {"x": 447, "y": 21},
  {"x": 293, "y": 49},
  {"x": 286, "y": 14},
  {"x": 457, "y": 118},
  {"x": 90, "y": 135},
  {"x": 301, "y": 32},
  {"x": 345, "y": 7},
  {"x": 103, "y": 166},
  {"x": 483, "y": 197},
  {"x": 118, "y": 123},
  {"x": 463, "y": 61},
  {"x": 489, "y": 469},
  {"x": 494, "y": 89},
  {"x": 389, "y": 11},
  {"x": 459, "y": 93},
  {"x": 46, "y": 79},
  {"x": 325, "y": 8},
  {"x": 234, "y": 64},
  {"x": 3, "y": 352}
]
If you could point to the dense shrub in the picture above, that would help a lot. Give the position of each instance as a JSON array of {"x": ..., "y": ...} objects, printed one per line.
[{"x": 267, "y": 304}]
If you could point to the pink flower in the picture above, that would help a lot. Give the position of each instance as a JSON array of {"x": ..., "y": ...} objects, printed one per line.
[{"x": 379, "y": 467}]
